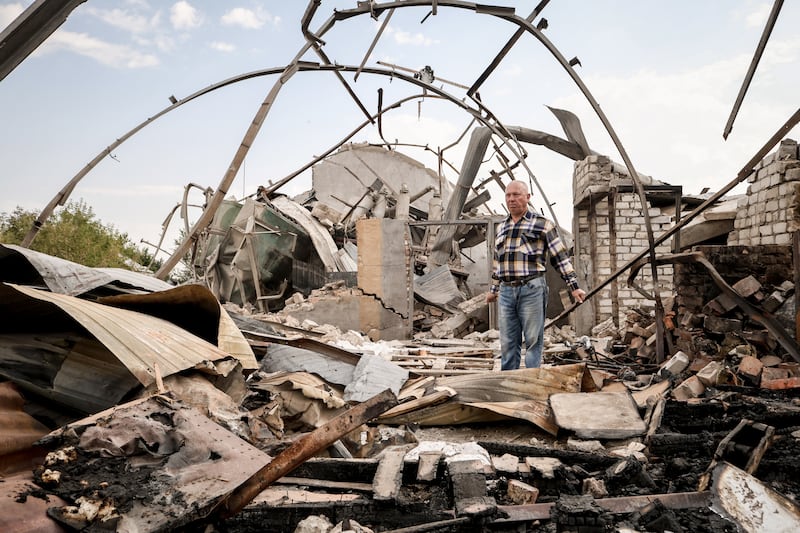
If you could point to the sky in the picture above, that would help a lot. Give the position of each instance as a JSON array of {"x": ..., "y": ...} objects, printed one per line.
[{"x": 666, "y": 75}]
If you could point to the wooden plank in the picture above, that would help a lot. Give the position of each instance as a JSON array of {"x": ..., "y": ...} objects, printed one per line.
[
  {"x": 442, "y": 364},
  {"x": 403, "y": 357},
  {"x": 324, "y": 483},
  {"x": 303, "y": 448},
  {"x": 389, "y": 476},
  {"x": 480, "y": 352},
  {"x": 448, "y": 372},
  {"x": 276, "y": 497},
  {"x": 414, "y": 388},
  {"x": 441, "y": 394}
]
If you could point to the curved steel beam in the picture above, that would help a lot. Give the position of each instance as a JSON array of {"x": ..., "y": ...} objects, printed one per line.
[{"x": 508, "y": 15}]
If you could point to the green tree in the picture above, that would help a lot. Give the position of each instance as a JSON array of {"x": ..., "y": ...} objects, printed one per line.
[{"x": 74, "y": 233}]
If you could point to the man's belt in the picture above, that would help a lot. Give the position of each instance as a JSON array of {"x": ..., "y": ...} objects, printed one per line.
[{"x": 516, "y": 282}]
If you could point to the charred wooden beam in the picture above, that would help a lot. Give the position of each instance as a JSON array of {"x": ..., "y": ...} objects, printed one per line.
[{"x": 304, "y": 448}]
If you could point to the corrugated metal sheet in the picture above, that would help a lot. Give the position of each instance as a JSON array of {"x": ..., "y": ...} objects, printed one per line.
[
  {"x": 139, "y": 341},
  {"x": 59, "y": 275},
  {"x": 136, "y": 279},
  {"x": 66, "y": 277},
  {"x": 233, "y": 342}
]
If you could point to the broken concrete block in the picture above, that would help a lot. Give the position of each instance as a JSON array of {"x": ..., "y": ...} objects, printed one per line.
[
  {"x": 296, "y": 298},
  {"x": 428, "y": 465},
  {"x": 747, "y": 287},
  {"x": 598, "y": 415},
  {"x": 708, "y": 374},
  {"x": 719, "y": 325},
  {"x": 773, "y": 302},
  {"x": 690, "y": 388},
  {"x": 750, "y": 368},
  {"x": 507, "y": 463},
  {"x": 469, "y": 489},
  {"x": 546, "y": 466},
  {"x": 453, "y": 326},
  {"x": 720, "y": 305},
  {"x": 595, "y": 487},
  {"x": 589, "y": 446},
  {"x": 676, "y": 364},
  {"x": 521, "y": 493},
  {"x": 326, "y": 214}
]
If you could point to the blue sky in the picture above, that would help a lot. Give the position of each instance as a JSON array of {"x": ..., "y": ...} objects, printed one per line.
[{"x": 665, "y": 73}]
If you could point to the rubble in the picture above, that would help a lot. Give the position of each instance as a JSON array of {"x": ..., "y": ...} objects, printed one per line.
[{"x": 336, "y": 363}]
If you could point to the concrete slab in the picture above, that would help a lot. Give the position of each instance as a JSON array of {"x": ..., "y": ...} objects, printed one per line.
[{"x": 598, "y": 415}]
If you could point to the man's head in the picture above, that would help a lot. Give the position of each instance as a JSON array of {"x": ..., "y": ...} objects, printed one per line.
[{"x": 517, "y": 197}]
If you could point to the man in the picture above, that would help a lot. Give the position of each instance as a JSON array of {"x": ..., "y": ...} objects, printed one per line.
[{"x": 523, "y": 244}]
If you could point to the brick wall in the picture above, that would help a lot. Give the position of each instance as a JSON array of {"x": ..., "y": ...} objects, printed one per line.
[
  {"x": 609, "y": 230},
  {"x": 770, "y": 211}
]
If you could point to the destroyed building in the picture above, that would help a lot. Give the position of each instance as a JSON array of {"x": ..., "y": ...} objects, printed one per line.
[{"x": 333, "y": 366}]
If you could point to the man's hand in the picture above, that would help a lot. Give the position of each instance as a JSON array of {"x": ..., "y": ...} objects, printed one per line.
[
  {"x": 491, "y": 297},
  {"x": 579, "y": 295}
]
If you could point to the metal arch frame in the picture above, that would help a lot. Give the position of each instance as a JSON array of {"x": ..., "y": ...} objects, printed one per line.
[
  {"x": 288, "y": 72},
  {"x": 313, "y": 41},
  {"x": 508, "y": 15},
  {"x": 61, "y": 197}
]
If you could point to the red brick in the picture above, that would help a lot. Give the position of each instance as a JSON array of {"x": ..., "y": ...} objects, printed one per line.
[{"x": 781, "y": 384}]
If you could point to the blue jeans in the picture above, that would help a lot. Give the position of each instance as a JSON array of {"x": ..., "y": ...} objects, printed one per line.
[{"x": 522, "y": 313}]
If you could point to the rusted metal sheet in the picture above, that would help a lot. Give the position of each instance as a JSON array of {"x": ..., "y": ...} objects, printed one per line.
[
  {"x": 30, "y": 515},
  {"x": 91, "y": 371},
  {"x": 20, "y": 430}
]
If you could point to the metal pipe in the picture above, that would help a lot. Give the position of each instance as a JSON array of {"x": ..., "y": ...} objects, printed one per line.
[{"x": 762, "y": 44}]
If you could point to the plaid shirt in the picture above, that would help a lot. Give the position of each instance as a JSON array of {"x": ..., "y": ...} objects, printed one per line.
[{"x": 523, "y": 248}]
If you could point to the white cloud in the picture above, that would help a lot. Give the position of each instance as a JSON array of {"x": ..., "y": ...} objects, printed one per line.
[
  {"x": 406, "y": 38},
  {"x": 8, "y": 12},
  {"x": 184, "y": 16},
  {"x": 113, "y": 55},
  {"x": 414, "y": 39},
  {"x": 758, "y": 17},
  {"x": 222, "y": 47},
  {"x": 249, "y": 19},
  {"x": 126, "y": 20}
]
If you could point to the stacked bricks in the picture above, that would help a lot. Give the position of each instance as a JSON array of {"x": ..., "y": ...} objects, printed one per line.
[
  {"x": 768, "y": 264},
  {"x": 770, "y": 211}
]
